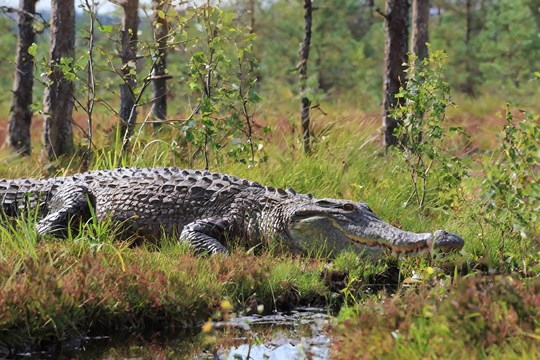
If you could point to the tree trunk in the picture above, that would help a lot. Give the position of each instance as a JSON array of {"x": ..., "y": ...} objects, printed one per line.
[
  {"x": 251, "y": 11},
  {"x": 20, "y": 115},
  {"x": 534, "y": 7},
  {"x": 468, "y": 21},
  {"x": 302, "y": 69},
  {"x": 130, "y": 25},
  {"x": 159, "y": 75},
  {"x": 420, "y": 26},
  {"x": 468, "y": 86},
  {"x": 395, "y": 55},
  {"x": 58, "y": 96}
]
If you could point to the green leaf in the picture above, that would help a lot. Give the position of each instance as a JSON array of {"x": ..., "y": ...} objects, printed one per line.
[
  {"x": 253, "y": 97},
  {"x": 198, "y": 58},
  {"x": 206, "y": 106},
  {"x": 189, "y": 135},
  {"x": 105, "y": 28},
  {"x": 81, "y": 62},
  {"x": 32, "y": 50}
]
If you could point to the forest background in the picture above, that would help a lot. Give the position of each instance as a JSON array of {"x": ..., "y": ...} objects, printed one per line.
[{"x": 492, "y": 49}]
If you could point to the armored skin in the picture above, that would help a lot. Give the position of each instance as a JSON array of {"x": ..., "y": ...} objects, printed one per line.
[{"x": 209, "y": 211}]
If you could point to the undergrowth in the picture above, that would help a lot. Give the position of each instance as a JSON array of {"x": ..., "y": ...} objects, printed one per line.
[
  {"x": 480, "y": 317},
  {"x": 90, "y": 283},
  {"x": 66, "y": 291}
]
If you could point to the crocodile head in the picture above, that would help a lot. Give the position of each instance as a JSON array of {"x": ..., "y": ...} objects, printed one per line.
[{"x": 335, "y": 225}]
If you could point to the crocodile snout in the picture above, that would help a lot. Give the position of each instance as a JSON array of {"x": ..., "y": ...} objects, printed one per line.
[{"x": 447, "y": 242}]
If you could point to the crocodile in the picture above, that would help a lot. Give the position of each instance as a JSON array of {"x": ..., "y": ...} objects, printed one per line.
[{"x": 210, "y": 211}]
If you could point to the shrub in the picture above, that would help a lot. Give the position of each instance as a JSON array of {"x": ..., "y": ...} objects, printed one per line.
[{"x": 426, "y": 96}]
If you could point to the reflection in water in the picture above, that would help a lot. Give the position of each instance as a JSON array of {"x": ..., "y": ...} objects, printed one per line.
[{"x": 295, "y": 335}]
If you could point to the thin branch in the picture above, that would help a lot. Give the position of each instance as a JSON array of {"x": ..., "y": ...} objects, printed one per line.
[
  {"x": 318, "y": 107},
  {"x": 245, "y": 111},
  {"x": 11, "y": 10},
  {"x": 383, "y": 14},
  {"x": 159, "y": 77},
  {"x": 136, "y": 103},
  {"x": 91, "y": 89}
]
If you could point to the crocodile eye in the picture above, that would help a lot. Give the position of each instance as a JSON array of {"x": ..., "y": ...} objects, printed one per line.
[{"x": 348, "y": 207}]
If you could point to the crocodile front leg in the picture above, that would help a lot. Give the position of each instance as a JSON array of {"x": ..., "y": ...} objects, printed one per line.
[
  {"x": 207, "y": 235},
  {"x": 67, "y": 207}
]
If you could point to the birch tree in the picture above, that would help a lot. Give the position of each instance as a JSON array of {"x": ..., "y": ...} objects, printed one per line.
[
  {"x": 58, "y": 96},
  {"x": 20, "y": 113},
  {"x": 130, "y": 26},
  {"x": 420, "y": 28},
  {"x": 302, "y": 69},
  {"x": 159, "y": 74},
  {"x": 396, "y": 17}
]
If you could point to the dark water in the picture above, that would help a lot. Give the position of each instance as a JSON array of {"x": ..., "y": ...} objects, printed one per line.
[{"x": 294, "y": 335}]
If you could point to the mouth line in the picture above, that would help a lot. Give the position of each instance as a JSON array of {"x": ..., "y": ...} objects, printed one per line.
[
  {"x": 417, "y": 248},
  {"x": 376, "y": 244}
]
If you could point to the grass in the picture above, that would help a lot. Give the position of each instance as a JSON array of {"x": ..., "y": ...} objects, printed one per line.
[{"x": 52, "y": 290}]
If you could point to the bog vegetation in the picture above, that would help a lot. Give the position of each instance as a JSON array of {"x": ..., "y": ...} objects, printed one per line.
[{"x": 468, "y": 160}]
